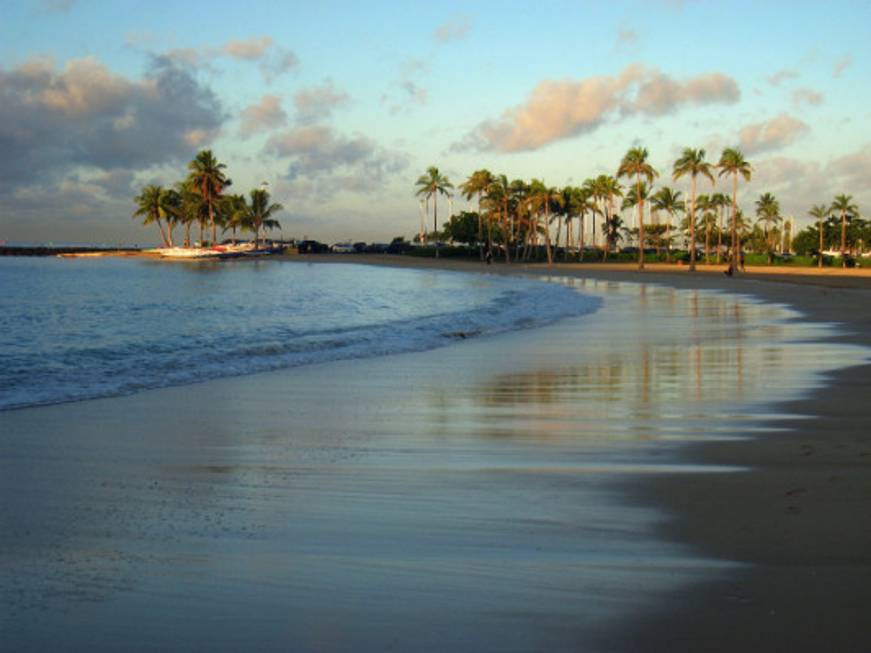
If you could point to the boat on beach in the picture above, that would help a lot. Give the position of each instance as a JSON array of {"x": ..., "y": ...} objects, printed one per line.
[{"x": 226, "y": 251}]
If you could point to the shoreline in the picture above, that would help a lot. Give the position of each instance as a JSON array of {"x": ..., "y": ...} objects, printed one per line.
[
  {"x": 800, "y": 519},
  {"x": 155, "y": 490}
]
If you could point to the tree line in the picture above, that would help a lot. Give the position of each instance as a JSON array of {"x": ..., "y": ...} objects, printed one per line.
[
  {"x": 200, "y": 199},
  {"x": 519, "y": 216}
]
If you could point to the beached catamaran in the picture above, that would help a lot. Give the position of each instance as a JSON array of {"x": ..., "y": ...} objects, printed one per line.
[{"x": 237, "y": 250}]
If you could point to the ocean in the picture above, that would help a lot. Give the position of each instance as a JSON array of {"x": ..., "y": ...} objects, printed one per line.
[{"x": 73, "y": 329}]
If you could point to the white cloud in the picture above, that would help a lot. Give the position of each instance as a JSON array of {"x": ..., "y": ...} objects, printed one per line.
[
  {"x": 561, "y": 109},
  {"x": 265, "y": 115},
  {"x": 318, "y": 102},
  {"x": 771, "y": 134}
]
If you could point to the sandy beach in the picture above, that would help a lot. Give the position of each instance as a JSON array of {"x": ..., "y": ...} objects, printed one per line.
[
  {"x": 801, "y": 519},
  {"x": 422, "y": 502}
]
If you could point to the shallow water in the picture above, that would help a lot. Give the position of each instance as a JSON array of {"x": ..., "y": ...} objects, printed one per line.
[
  {"x": 73, "y": 329},
  {"x": 464, "y": 498}
]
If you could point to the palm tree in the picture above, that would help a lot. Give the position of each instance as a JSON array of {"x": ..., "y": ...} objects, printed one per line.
[
  {"x": 152, "y": 207},
  {"x": 431, "y": 185},
  {"x": 586, "y": 204},
  {"x": 719, "y": 202},
  {"x": 519, "y": 201},
  {"x": 768, "y": 213},
  {"x": 667, "y": 199},
  {"x": 820, "y": 211},
  {"x": 477, "y": 184},
  {"x": 843, "y": 204},
  {"x": 544, "y": 198},
  {"x": 233, "y": 207},
  {"x": 499, "y": 199},
  {"x": 635, "y": 163},
  {"x": 692, "y": 162},
  {"x": 608, "y": 189},
  {"x": 207, "y": 176},
  {"x": 258, "y": 214},
  {"x": 636, "y": 196},
  {"x": 732, "y": 162}
]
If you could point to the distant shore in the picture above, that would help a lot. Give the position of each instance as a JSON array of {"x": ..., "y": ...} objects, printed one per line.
[
  {"x": 800, "y": 521},
  {"x": 72, "y": 250}
]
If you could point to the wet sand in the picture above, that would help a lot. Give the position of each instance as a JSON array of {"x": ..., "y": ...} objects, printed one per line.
[
  {"x": 496, "y": 494},
  {"x": 800, "y": 520}
]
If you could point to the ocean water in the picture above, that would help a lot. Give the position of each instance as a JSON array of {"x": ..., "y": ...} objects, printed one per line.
[{"x": 73, "y": 329}]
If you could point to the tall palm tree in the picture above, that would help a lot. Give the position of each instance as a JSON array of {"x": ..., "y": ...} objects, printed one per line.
[
  {"x": 586, "y": 205},
  {"x": 258, "y": 213},
  {"x": 608, "y": 189},
  {"x": 635, "y": 163},
  {"x": 667, "y": 199},
  {"x": 477, "y": 184},
  {"x": 768, "y": 213},
  {"x": 638, "y": 195},
  {"x": 544, "y": 198},
  {"x": 207, "y": 176},
  {"x": 820, "y": 212},
  {"x": 719, "y": 202},
  {"x": 519, "y": 202},
  {"x": 152, "y": 208},
  {"x": 843, "y": 204},
  {"x": 692, "y": 162},
  {"x": 732, "y": 162},
  {"x": 499, "y": 200},
  {"x": 430, "y": 185}
]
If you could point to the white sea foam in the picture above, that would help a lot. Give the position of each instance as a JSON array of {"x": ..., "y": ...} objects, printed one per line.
[{"x": 79, "y": 329}]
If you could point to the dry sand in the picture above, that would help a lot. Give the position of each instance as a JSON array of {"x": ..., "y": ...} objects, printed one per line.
[{"x": 801, "y": 519}]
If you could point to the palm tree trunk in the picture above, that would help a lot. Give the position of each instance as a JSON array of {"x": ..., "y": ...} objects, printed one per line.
[
  {"x": 507, "y": 230},
  {"x": 693, "y": 223},
  {"x": 547, "y": 234},
  {"x": 212, "y": 223},
  {"x": 162, "y": 235},
  {"x": 435, "y": 222},
  {"x": 480, "y": 231},
  {"x": 720, "y": 233},
  {"x": 640, "y": 224},
  {"x": 735, "y": 245},
  {"x": 490, "y": 235},
  {"x": 668, "y": 236},
  {"x": 581, "y": 244},
  {"x": 843, "y": 239},
  {"x": 707, "y": 244},
  {"x": 568, "y": 239},
  {"x": 820, "y": 257}
]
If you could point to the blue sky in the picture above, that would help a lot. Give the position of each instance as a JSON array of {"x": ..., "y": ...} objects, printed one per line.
[{"x": 340, "y": 106}]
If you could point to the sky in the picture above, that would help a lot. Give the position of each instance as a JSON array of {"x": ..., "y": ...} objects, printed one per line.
[{"x": 341, "y": 106}]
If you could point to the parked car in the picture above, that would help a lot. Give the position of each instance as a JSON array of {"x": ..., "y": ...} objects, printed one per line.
[{"x": 312, "y": 247}]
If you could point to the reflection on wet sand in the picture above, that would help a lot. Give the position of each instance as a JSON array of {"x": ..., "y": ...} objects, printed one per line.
[{"x": 459, "y": 499}]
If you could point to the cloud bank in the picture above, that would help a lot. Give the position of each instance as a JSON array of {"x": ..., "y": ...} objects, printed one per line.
[
  {"x": 771, "y": 134},
  {"x": 329, "y": 162},
  {"x": 262, "y": 116},
  {"x": 54, "y": 121},
  {"x": 557, "y": 110}
]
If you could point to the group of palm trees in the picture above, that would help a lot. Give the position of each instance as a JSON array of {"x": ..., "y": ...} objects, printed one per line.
[
  {"x": 519, "y": 215},
  {"x": 200, "y": 200}
]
